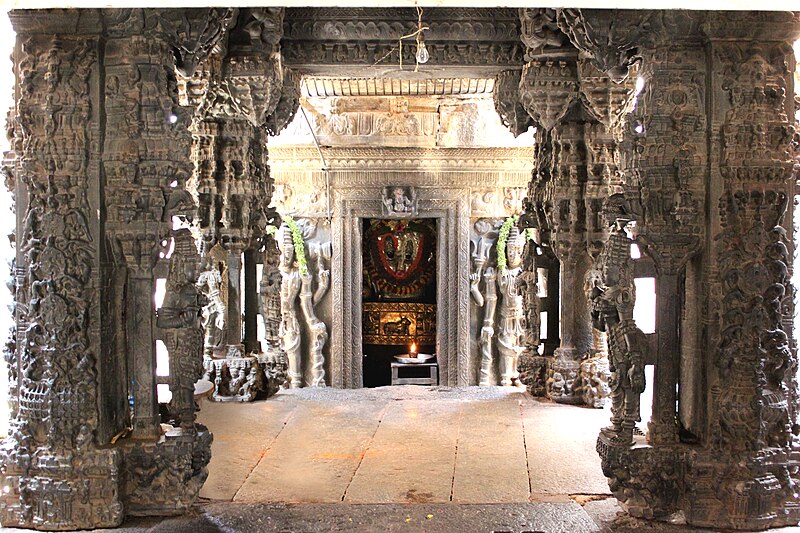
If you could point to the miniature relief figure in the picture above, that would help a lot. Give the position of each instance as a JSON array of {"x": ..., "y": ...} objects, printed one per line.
[
  {"x": 398, "y": 200},
  {"x": 612, "y": 299}
]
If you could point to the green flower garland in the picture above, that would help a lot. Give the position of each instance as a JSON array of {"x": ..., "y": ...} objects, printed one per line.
[
  {"x": 502, "y": 239},
  {"x": 529, "y": 234},
  {"x": 271, "y": 230},
  {"x": 299, "y": 249}
]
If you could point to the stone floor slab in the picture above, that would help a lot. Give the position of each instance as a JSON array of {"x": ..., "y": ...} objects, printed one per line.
[
  {"x": 314, "y": 458},
  {"x": 411, "y": 458},
  {"x": 249, "y": 430},
  {"x": 560, "y": 442},
  {"x": 491, "y": 464}
]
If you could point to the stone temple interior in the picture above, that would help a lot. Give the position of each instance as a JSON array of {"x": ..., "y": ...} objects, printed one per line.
[{"x": 226, "y": 201}]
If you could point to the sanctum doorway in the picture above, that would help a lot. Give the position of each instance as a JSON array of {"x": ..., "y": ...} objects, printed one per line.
[{"x": 398, "y": 295}]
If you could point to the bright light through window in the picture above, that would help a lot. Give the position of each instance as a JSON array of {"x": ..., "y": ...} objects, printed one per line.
[{"x": 644, "y": 312}]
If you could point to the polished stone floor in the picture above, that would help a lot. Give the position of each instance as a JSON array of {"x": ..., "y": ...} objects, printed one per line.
[
  {"x": 403, "y": 445},
  {"x": 404, "y": 459}
]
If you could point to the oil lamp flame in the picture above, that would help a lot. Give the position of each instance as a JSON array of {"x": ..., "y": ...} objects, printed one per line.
[{"x": 413, "y": 351}]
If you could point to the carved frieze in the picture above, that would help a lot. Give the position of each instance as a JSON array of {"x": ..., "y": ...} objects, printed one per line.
[
  {"x": 485, "y": 39},
  {"x": 539, "y": 30}
]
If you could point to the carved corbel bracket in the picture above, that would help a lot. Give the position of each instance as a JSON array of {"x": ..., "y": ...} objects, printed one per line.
[
  {"x": 611, "y": 39},
  {"x": 288, "y": 103},
  {"x": 507, "y": 102},
  {"x": 547, "y": 89},
  {"x": 670, "y": 251},
  {"x": 608, "y": 101}
]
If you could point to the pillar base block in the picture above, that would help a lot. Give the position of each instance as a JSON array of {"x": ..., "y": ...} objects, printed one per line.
[
  {"x": 164, "y": 478},
  {"x": 662, "y": 433},
  {"x": 716, "y": 489},
  {"x": 562, "y": 373},
  {"x": 533, "y": 372},
  {"x": 236, "y": 379},
  {"x": 59, "y": 492}
]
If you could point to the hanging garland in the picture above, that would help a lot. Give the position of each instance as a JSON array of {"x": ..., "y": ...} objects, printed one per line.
[
  {"x": 297, "y": 240},
  {"x": 502, "y": 239}
]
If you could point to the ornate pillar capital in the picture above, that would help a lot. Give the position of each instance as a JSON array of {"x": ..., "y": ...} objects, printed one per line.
[
  {"x": 610, "y": 38},
  {"x": 252, "y": 74},
  {"x": 191, "y": 33},
  {"x": 751, "y": 26}
]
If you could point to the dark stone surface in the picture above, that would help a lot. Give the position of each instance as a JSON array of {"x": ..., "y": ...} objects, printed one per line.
[{"x": 307, "y": 518}]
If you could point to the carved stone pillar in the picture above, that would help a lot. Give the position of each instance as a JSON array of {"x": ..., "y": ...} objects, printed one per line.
[
  {"x": 671, "y": 125},
  {"x": 102, "y": 166},
  {"x": 753, "y": 397},
  {"x": 250, "y": 302},
  {"x": 60, "y": 356},
  {"x": 246, "y": 95},
  {"x": 739, "y": 471}
]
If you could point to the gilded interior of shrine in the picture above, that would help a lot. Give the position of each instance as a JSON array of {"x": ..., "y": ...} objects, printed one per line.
[{"x": 308, "y": 200}]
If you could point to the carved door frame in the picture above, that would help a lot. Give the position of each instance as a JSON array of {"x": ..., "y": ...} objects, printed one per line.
[{"x": 452, "y": 210}]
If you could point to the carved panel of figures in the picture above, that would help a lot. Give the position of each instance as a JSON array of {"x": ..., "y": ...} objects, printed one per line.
[
  {"x": 301, "y": 284},
  {"x": 501, "y": 286}
]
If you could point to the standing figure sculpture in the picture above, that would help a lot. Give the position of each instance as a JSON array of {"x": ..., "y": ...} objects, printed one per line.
[
  {"x": 489, "y": 303},
  {"x": 298, "y": 281},
  {"x": 510, "y": 341},
  {"x": 317, "y": 330},
  {"x": 612, "y": 299},
  {"x": 210, "y": 284},
  {"x": 179, "y": 321},
  {"x": 289, "y": 331}
]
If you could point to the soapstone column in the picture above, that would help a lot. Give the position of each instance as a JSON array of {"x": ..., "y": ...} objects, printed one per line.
[
  {"x": 101, "y": 158},
  {"x": 55, "y": 471},
  {"x": 243, "y": 93}
]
